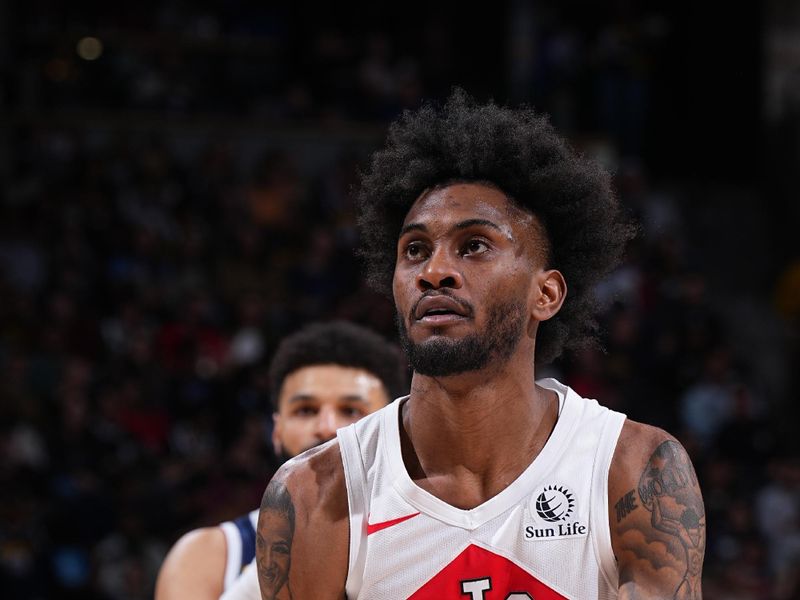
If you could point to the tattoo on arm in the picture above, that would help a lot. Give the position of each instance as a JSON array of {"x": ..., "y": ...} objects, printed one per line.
[
  {"x": 625, "y": 505},
  {"x": 274, "y": 541},
  {"x": 668, "y": 489}
]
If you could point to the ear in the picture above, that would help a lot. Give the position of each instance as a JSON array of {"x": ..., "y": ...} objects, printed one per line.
[
  {"x": 277, "y": 434},
  {"x": 549, "y": 292}
]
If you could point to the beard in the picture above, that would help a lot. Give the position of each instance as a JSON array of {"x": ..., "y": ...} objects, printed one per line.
[{"x": 440, "y": 357}]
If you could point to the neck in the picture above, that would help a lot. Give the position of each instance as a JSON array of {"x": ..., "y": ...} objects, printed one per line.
[{"x": 487, "y": 424}]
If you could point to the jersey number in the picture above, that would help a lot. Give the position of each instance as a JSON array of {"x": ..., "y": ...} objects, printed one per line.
[{"x": 476, "y": 590}]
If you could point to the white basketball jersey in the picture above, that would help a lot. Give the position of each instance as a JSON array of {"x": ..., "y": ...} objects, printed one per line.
[
  {"x": 240, "y": 538},
  {"x": 245, "y": 587},
  {"x": 546, "y": 536}
]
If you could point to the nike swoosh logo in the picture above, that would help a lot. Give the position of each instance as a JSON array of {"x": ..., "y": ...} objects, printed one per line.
[{"x": 373, "y": 527}]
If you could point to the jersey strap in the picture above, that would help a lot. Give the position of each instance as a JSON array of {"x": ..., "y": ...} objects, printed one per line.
[
  {"x": 248, "y": 537},
  {"x": 240, "y": 539}
]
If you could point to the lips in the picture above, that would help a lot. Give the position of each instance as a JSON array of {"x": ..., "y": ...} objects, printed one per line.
[{"x": 439, "y": 308}]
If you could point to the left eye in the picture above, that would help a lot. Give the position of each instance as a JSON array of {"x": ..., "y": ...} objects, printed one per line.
[
  {"x": 475, "y": 247},
  {"x": 352, "y": 413}
]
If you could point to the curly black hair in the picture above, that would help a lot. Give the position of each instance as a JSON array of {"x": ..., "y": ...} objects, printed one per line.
[
  {"x": 338, "y": 343},
  {"x": 518, "y": 151}
]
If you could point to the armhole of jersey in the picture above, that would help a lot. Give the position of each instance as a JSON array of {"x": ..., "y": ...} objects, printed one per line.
[
  {"x": 602, "y": 540},
  {"x": 355, "y": 481},
  {"x": 233, "y": 560},
  {"x": 247, "y": 525}
]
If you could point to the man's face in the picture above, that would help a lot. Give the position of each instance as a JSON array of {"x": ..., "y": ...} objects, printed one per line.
[
  {"x": 317, "y": 400},
  {"x": 277, "y": 551},
  {"x": 463, "y": 278}
]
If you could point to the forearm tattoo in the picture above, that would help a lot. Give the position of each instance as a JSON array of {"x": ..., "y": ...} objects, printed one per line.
[
  {"x": 274, "y": 542},
  {"x": 668, "y": 489}
]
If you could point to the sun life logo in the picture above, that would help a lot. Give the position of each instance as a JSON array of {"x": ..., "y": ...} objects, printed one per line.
[{"x": 555, "y": 503}]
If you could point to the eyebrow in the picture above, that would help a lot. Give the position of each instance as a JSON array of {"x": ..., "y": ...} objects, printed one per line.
[
  {"x": 475, "y": 222},
  {"x": 413, "y": 227},
  {"x": 460, "y": 225},
  {"x": 309, "y": 397}
]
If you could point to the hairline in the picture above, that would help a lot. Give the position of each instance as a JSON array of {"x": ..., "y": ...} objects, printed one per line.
[{"x": 277, "y": 407}]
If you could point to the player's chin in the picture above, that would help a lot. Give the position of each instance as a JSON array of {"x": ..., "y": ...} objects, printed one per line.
[{"x": 268, "y": 575}]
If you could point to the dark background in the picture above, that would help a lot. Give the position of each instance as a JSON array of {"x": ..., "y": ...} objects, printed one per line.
[{"x": 175, "y": 199}]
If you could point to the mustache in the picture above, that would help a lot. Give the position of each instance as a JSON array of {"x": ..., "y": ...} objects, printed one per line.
[{"x": 466, "y": 306}]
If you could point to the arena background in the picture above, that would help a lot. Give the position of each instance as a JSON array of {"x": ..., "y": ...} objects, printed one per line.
[{"x": 175, "y": 182}]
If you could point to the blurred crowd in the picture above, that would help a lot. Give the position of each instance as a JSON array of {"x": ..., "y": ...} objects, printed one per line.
[
  {"x": 145, "y": 282},
  {"x": 186, "y": 58},
  {"x": 142, "y": 298}
]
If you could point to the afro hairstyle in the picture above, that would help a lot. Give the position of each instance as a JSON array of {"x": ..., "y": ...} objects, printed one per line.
[{"x": 519, "y": 152}]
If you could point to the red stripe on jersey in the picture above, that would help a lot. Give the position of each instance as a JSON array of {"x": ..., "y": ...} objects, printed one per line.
[{"x": 373, "y": 527}]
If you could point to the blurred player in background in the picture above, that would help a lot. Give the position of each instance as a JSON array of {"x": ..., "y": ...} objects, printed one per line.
[{"x": 322, "y": 377}]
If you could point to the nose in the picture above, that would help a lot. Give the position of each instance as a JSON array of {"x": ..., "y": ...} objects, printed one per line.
[
  {"x": 270, "y": 555},
  {"x": 327, "y": 424},
  {"x": 439, "y": 271}
]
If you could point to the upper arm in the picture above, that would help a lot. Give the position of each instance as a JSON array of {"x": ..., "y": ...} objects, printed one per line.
[
  {"x": 194, "y": 567},
  {"x": 657, "y": 518},
  {"x": 303, "y": 529}
]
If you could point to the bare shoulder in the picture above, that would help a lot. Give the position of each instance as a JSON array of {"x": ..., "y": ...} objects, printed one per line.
[
  {"x": 656, "y": 515},
  {"x": 194, "y": 566},
  {"x": 303, "y": 528},
  {"x": 637, "y": 442},
  {"x": 315, "y": 482}
]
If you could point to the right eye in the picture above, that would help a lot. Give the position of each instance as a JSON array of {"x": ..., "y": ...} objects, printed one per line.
[{"x": 415, "y": 251}]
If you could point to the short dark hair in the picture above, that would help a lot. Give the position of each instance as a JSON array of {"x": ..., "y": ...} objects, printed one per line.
[
  {"x": 518, "y": 151},
  {"x": 338, "y": 343}
]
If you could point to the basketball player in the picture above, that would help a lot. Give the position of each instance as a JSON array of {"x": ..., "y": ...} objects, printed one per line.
[
  {"x": 484, "y": 483},
  {"x": 322, "y": 377}
]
